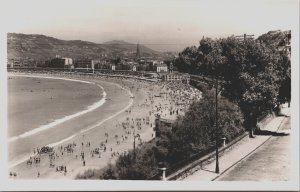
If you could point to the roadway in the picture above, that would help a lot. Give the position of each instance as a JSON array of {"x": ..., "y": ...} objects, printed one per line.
[
  {"x": 265, "y": 157},
  {"x": 270, "y": 162}
]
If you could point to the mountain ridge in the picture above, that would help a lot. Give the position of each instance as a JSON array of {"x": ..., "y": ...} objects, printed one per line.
[{"x": 42, "y": 47}]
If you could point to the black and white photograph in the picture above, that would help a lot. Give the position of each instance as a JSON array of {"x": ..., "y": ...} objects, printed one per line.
[{"x": 150, "y": 95}]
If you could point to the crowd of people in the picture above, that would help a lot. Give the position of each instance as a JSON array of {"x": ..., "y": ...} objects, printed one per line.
[{"x": 167, "y": 99}]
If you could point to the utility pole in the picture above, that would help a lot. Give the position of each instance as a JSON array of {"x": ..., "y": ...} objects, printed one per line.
[
  {"x": 217, "y": 129},
  {"x": 244, "y": 37}
]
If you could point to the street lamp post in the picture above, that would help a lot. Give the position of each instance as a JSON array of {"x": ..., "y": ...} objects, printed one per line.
[{"x": 217, "y": 129}]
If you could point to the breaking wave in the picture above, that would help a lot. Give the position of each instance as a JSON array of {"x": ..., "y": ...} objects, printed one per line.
[{"x": 66, "y": 118}]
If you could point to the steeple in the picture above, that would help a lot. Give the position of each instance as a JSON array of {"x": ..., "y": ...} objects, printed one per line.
[{"x": 138, "y": 50}]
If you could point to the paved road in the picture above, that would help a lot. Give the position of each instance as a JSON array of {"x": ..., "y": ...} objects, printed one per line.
[{"x": 271, "y": 162}]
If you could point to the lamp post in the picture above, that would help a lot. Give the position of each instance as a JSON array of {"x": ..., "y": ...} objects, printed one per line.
[
  {"x": 217, "y": 129},
  {"x": 216, "y": 59}
]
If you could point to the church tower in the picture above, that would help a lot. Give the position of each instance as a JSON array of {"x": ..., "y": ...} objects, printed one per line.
[
  {"x": 138, "y": 51},
  {"x": 171, "y": 68}
]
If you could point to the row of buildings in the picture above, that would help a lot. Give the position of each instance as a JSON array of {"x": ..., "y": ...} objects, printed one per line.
[
  {"x": 22, "y": 62},
  {"x": 121, "y": 64},
  {"x": 113, "y": 62},
  {"x": 151, "y": 67}
]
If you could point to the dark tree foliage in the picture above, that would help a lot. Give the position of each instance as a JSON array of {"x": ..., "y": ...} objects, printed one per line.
[
  {"x": 253, "y": 78},
  {"x": 211, "y": 59},
  {"x": 257, "y": 76},
  {"x": 187, "y": 60},
  {"x": 196, "y": 132},
  {"x": 285, "y": 76}
]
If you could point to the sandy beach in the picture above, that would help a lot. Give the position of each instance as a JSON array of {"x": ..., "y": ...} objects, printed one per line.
[{"x": 96, "y": 138}]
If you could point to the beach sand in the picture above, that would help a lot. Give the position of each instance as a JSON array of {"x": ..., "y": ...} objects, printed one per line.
[{"x": 118, "y": 100}]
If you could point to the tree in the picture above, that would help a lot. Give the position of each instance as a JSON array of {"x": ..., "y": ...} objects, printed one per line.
[
  {"x": 196, "y": 131},
  {"x": 211, "y": 58},
  {"x": 187, "y": 60},
  {"x": 252, "y": 77},
  {"x": 256, "y": 75},
  {"x": 284, "y": 69}
]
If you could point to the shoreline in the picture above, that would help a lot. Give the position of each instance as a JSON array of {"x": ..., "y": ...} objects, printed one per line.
[
  {"x": 68, "y": 117},
  {"x": 61, "y": 120},
  {"x": 88, "y": 128},
  {"x": 142, "y": 105},
  {"x": 65, "y": 106}
]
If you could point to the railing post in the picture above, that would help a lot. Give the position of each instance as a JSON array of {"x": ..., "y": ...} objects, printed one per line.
[
  {"x": 163, "y": 173},
  {"x": 224, "y": 141}
]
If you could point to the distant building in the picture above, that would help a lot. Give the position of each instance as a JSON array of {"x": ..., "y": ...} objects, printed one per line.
[
  {"x": 14, "y": 63},
  {"x": 21, "y": 62},
  {"x": 101, "y": 64},
  {"x": 83, "y": 63},
  {"x": 156, "y": 65},
  {"x": 9, "y": 63},
  {"x": 29, "y": 62},
  {"x": 96, "y": 63},
  {"x": 141, "y": 61},
  {"x": 171, "y": 68},
  {"x": 133, "y": 68},
  {"x": 161, "y": 68},
  {"x": 68, "y": 61},
  {"x": 59, "y": 62},
  {"x": 113, "y": 67},
  {"x": 171, "y": 77},
  {"x": 56, "y": 63},
  {"x": 130, "y": 65}
]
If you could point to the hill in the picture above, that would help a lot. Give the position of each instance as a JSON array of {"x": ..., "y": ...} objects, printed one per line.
[
  {"x": 41, "y": 47},
  {"x": 119, "y": 44}
]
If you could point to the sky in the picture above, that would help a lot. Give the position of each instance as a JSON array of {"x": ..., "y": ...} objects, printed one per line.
[{"x": 164, "y": 25}]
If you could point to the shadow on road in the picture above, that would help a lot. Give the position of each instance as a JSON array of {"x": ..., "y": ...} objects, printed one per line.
[
  {"x": 208, "y": 170},
  {"x": 266, "y": 132},
  {"x": 282, "y": 115}
]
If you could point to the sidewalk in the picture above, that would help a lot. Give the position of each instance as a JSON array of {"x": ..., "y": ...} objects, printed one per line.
[{"x": 236, "y": 153}]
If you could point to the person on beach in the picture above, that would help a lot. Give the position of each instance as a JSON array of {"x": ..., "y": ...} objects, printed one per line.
[{"x": 65, "y": 172}]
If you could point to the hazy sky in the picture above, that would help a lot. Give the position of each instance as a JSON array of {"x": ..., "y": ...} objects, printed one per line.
[{"x": 160, "y": 24}]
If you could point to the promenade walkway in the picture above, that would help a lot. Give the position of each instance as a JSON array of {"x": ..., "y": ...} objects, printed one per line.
[{"x": 238, "y": 152}]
